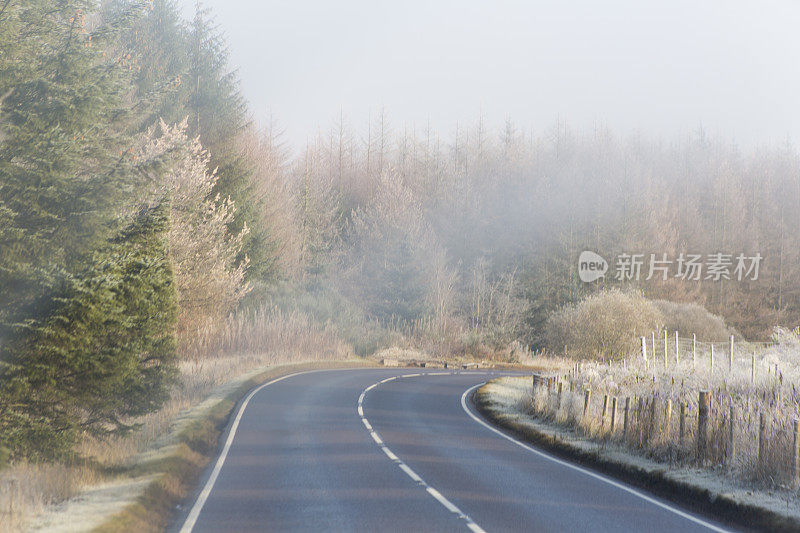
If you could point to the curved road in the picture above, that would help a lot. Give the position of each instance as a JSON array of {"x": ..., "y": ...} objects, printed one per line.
[{"x": 327, "y": 450}]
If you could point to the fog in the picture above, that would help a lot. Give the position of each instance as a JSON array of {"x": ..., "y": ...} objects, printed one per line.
[
  {"x": 666, "y": 68},
  {"x": 444, "y": 168}
]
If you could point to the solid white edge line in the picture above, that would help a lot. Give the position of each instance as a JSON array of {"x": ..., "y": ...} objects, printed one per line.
[
  {"x": 435, "y": 494},
  {"x": 582, "y": 470},
  {"x": 194, "y": 514}
]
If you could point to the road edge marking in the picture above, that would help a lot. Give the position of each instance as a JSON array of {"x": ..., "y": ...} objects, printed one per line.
[
  {"x": 194, "y": 514},
  {"x": 585, "y": 471}
]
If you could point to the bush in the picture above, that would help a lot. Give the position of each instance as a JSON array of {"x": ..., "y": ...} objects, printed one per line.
[
  {"x": 602, "y": 326},
  {"x": 688, "y": 319},
  {"x": 607, "y": 325}
]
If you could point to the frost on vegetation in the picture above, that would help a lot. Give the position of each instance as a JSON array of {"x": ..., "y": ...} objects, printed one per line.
[
  {"x": 758, "y": 385},
  {"x": 511, "y": 399}
]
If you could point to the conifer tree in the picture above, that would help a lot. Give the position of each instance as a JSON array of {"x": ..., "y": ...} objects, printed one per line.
[
  {"x": 86, "y": 309},
  {"x": 64, "y": 163},
  {"x": 218, "y": 114},
  {"x": 103, "y": 351}
]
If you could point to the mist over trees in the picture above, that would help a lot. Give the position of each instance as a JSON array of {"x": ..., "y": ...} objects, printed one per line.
[
  {"x": 140, "y": 207},
  {"x": 524, "y": 206}
]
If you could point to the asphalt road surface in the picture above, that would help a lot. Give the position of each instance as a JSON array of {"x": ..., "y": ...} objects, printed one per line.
[{"x": 328, "y": 451}]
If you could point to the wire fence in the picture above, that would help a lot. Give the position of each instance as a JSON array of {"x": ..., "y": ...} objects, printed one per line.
[
  {"x": 729, "y": 406},
  {"x": 670, "y": 351}
]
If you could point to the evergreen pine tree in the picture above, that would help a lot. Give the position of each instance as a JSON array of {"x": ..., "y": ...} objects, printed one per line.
[
  {"x": 86, "y": 318},
  {"x": 103, "y": 350}
]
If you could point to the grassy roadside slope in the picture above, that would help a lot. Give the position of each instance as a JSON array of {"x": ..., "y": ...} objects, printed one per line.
[
  {"x": 165, "y": 476},
  {"x": 496, "y": 402}
]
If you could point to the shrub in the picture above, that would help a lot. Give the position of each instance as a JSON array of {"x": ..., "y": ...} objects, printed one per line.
[
  {"x": 688, "y": 319},
  {"x": 602, "y": 326}
]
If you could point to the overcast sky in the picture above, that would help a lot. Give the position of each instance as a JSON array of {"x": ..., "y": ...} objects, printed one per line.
[{"x": 663, "y": 68}]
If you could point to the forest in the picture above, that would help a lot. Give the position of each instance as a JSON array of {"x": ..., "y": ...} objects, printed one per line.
[{"x": 146, "y": 218}]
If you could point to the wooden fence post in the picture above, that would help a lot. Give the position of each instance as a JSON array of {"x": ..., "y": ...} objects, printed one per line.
[
  {"x": 639, "y": 413},
  {"x": 653, "y": 344},
  {"x": 652, "y": 427},
  {"x": 730, "y": 357},
  {"x": 731, "y": 441},
  {"x": 625, "y": 418},
  {"x": 683, "y": 422},
  {"x": 712, "y": 358},
  {"x": 558, "y": 403},
  {"x": 586, "y": 397},
  {"x": 605, "y": 410},
  {"x": 644, "y": 349},
  {"x": 703, "y": 408},
  {"x": 796, "y": 454},
  {"x": 667, "y": 417},
  {"x": 762, "y": 438},
  {"x": 613, "y": 414}
]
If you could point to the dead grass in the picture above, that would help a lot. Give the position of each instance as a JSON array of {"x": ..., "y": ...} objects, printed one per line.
[
  {"x": 760, "y": 381},
  {"x": 504, "y": 401}
]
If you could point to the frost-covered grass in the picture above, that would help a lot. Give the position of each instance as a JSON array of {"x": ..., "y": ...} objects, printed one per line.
[
  {"x": 30, "y": 494},
  {"x": 762, "y": 383},
  {"x": 508, "y": 401}
]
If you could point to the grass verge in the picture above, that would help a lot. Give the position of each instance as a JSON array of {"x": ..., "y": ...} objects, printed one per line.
[
  {"x": 175, "y": 474},
  {"x": 699, "y": 499}
]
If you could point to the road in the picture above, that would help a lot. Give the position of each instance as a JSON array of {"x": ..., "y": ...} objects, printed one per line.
[{"x": 340, "y": 451}]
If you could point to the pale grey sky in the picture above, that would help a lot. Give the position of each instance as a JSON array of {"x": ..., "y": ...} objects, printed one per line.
[{"x": 659, "y": 67}]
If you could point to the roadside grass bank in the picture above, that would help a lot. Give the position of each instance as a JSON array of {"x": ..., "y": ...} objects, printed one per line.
[{"x": 504, "y": 402}]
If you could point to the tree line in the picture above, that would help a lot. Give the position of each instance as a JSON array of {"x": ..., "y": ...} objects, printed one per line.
[
  {"x": 129, "y": 210},
  {"x": 140, "y": 206}
]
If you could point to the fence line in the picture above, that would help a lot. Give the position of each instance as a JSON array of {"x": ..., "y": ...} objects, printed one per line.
[
  {"x": 669, "y": 351},
  {"x": 750, "y": 429}
]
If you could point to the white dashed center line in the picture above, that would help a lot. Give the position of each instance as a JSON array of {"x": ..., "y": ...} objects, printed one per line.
[{"x": 447, "y": 504}]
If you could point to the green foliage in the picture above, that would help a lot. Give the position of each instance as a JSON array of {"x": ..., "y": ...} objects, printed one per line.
[
  {"x": 318, "y": 299},
  {"x": 692, "y": 319},
  {"x": 184, "y": 74},
  {"x": 102, "y": 352},
  {"x": 63, "y": 169},
  {"x": 160, "y": 44},
  {"x": 397, "y": 284},
  {"x": 87, "y": 301},
  {"x": 218, "y": 114},
  {"x": 547, "y": 285}
]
